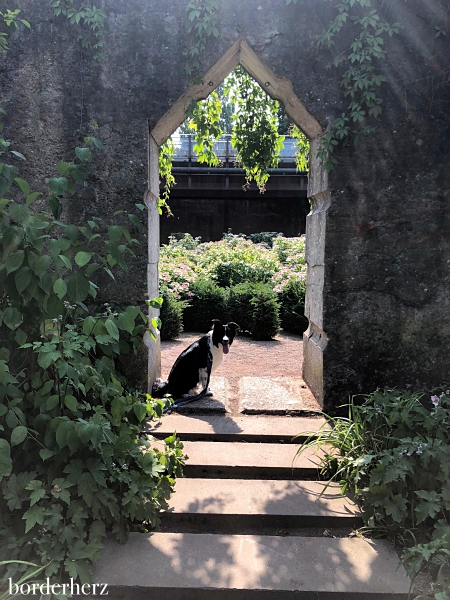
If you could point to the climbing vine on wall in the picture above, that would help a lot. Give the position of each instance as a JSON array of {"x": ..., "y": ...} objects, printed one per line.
[
  {"x": 90, "y": 17},
  {"x": 10, "y": 19},
  {"x": 361, "y": 77},
  {"x": 202, "y": 16}
]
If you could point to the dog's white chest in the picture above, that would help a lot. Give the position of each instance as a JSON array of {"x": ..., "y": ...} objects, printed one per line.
[{"x": 217, "y": 354}]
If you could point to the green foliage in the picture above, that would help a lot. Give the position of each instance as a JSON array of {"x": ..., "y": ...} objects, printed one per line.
[
  {"x": 165, "y": 173},
  {"x": 255, "y": 127},
  {"x": 72, "y": 464},
  {"x": 292, "y": 306},
  {"x": 10, "y": 19},
  {"x": 393, "y": 453},
  {"x": 91, "y": 17},
  {"x": 208, "y": 302},
  {"x": 302, "y": 154},
  {"x": 233, "y": 260},
  {"x": 202, "y": 16},
  {"x": 255, "y": 308},
  {"x": 361, "y": 77},
  {"x": 205, "y": 122},
  {"x": 171, "y": 315}
]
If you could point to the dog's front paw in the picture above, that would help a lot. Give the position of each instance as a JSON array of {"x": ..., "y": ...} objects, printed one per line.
[{"x": 209, "y": 392}]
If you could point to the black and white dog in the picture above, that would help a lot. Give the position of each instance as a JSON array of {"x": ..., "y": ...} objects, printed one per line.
[{"x": 195, "y": 364}]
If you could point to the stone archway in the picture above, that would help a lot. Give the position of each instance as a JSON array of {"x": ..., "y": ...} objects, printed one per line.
[{"x": 279, "y": 88}]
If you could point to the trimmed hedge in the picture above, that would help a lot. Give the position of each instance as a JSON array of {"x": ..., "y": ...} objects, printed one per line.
[
  {"x": 255, "y": 308},
  {"x": 207, "y": 303},
  {"x": 292, "y": 306},
  {"x": 171, "y": 315}
]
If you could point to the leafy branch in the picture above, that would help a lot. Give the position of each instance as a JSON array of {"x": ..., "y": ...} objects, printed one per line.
[
  {"x": 10, "y": 20},
  {"x": 361, "y": 78},
  {"x": 87, "y": 15},
  {"x": 202, "y": 17}
]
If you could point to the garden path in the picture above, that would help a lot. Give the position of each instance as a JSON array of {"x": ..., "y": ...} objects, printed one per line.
[{"x": 256, "y": 377}]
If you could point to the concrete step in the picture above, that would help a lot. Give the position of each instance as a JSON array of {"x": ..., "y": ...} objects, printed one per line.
[
  {"x": 240, "y": 505},
  {"x": 250, "y": 461},
  {"x": 228, "y": 428},
  {"x": 183, "y": 566}
]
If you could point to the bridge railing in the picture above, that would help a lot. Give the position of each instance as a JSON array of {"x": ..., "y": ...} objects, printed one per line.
[{"x": 184, "y": 149}]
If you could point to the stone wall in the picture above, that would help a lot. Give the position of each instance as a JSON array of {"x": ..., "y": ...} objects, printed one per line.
[{"x": 386, "y": 299}]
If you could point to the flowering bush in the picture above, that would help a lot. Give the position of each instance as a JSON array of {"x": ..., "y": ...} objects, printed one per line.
[{"x": 231, "y": 261}]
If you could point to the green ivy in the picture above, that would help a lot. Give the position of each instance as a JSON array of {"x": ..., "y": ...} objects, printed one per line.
[
  {"x": 255, "y": 133},
  {"x": 72, "y": 463},
  {"x": 166, "y": 151},
  {"x": 10, "y": 18},
  {"x": 202, "y": 17},
  {"x": 91, "y": 17},
  {"x": 205, "y": 122},
  {"x": 361, "y": 78}
]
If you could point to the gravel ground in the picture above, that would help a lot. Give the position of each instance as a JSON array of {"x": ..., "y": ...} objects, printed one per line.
[{"x": 280, "y": 357}]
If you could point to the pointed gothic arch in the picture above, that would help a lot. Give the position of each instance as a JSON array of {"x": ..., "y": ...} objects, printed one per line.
[{"x": 279, "y": 88}]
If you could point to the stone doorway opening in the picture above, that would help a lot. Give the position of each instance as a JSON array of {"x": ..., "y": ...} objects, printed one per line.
[{"x": 279, "y": 88}]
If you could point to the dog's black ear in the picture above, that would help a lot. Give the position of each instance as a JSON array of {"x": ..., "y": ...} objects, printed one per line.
[
  {"x": 234, "y": 326},
  {"x": 216, "y": 322}
]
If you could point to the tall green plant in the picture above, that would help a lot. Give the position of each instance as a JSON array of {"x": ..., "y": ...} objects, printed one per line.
[
  {"x": 393, "y": 454},
  {"x": 72, "y": 464}
]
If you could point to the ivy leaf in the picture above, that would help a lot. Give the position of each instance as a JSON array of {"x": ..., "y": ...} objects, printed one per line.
[
  {"x": 115, "y": 233},
  {"x": 62, "y": 168},
  {"x": 12, "y": 318},
  {"x": 112, "y": 329},
  {"x": 5, "y": 458},
  {"x": 19, "y": 212},
  {"x": 77, "y": 286},
  {"x": 23, "y": 278},
  {"x": 18, "y": 435},
  {"x": 23, "y": 185},
  {"x": 60, "y": 288},
  {"x": 71, "y": 402},
  {"x": 45, "y": 453},
  {"x": 134, "y": 219},
  {"x": 84, "y": 154},
  {"x": 82, "y": 258},
  {"x": 14, "y": 261},
  {"x": 51, "y": 403},
  {"x": 78, "y": 172},
  {"x": 34, "y": 515},
  {"x": 140, "y": 410},
  {"x": 58, "y": 185},
  {"x": 55, "y": 206}
]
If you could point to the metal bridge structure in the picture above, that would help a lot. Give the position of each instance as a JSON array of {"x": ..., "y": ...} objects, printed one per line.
[{"x": 207, "y": 201}]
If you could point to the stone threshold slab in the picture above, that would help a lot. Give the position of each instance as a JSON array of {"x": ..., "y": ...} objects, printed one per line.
[
  {"x": 241, "y": 428},
  {"x": 276, "y": 396},
  {"x": 177, "y": 563},
  {"x": 244, "y": 503}
]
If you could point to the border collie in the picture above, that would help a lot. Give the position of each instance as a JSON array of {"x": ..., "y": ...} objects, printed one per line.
[{"x": 196, "y": 363}]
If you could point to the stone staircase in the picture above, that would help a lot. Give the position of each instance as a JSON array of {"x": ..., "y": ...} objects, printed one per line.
[{"x": 248, "y": 522}]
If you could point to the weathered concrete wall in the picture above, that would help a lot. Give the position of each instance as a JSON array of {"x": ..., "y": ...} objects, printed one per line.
[{"x": 387, "y": 247}]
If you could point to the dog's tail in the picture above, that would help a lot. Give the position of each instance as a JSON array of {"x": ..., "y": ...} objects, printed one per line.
[{"x": 159, "y": 388}]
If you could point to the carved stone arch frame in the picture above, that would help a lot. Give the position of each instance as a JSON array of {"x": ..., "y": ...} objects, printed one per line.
[{"x": 279, "y": 88}]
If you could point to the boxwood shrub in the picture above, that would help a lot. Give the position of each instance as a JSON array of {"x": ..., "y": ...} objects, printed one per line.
[
  {"x": 207, "y": 302},
  {"x": 171, "y": 315},
  {"x": 255, "y": 308},
  {"x": 292, "y": 306}
]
